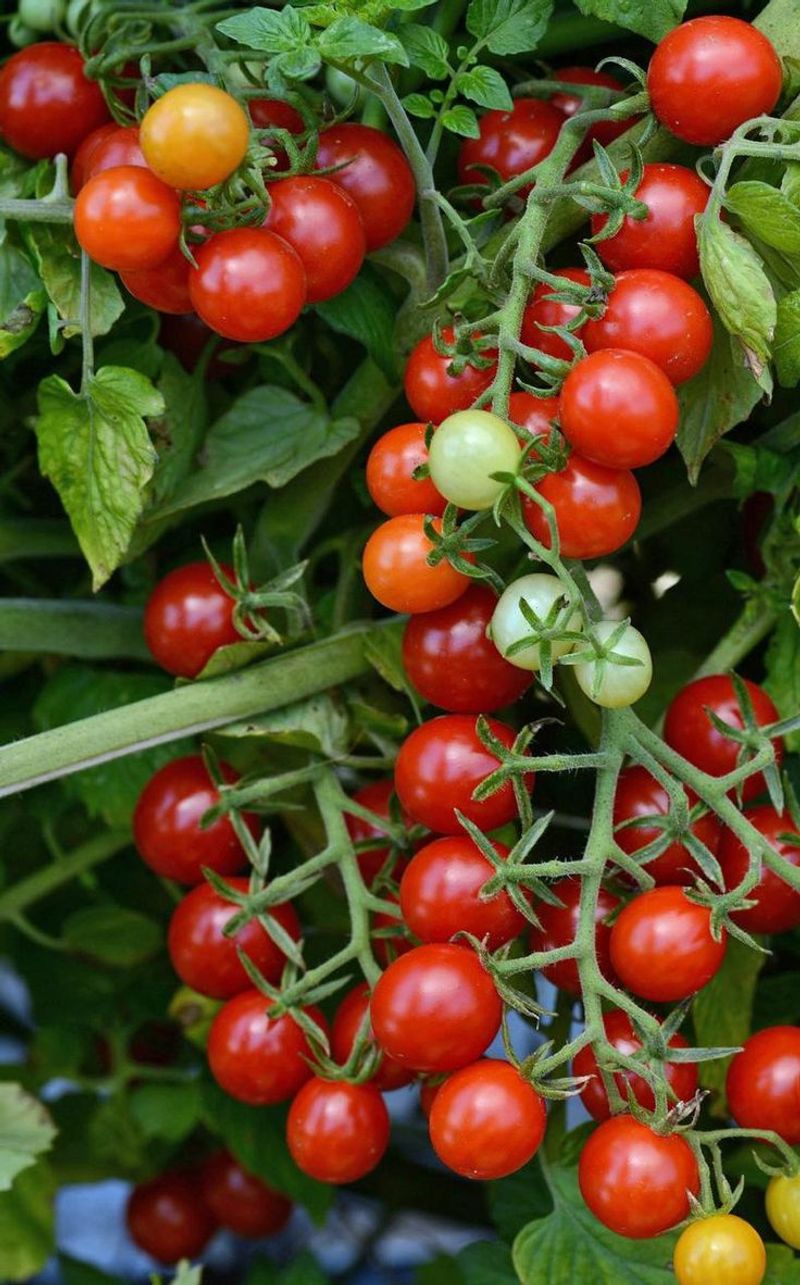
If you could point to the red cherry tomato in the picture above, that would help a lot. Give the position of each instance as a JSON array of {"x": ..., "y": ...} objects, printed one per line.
[
  {"x": 274, "y": 112},
  {"x": 710, "y": 75},
  {"x": 511, "y": 142},
  {"x": 47, "y": 104},
  {"x": 127, "y": 219},
  {"x": 486, "y": 1121},
  {"x": 376, "y": 796},
  {"x": 777, "y": 908},
  {"x": 166, "y": 823},
  {"x": 543, "y": 311},
  {"x": 432, "y": 392},
  {"x": 322, "y": 223},
  {"x": 375, "y": 173},
  {"x": 258, "y": 1059},
  {"x": 661, "y": 945},
  {"x": 439, "y": 767},
  {"x": 597, "y": 509},
  {"x": 534, "y": 413},
  {"x": 681, "y": 1076},
  {"x": 78, "y": 173},
  {"x": 570, "y": 104},
  {"x": 249, "y": 284},
  {"x": 618, "y": 408},
  {"x": 168, "y": 1219},
  {"x": 440, "y": 894},
  {"x": 119, "y": 147},
  {"x": 397, "y": 572},
  {"x": 689, "y": 730},
  {"x": 635, "y": 1181},
  {"x": 337, "y": 1132},
  {"x": 239, "y": 1200},
  {"x": 559, "y": 927},
  {"x": 763, "y": 1084},
  {"x": 666, "y": 238},
  {"x": 640, "y": 795},
  {"x": 435, "y": 1008},
  {"x": 391, "y": 462},
  {"x": 349, "y": 1016},
  {"x": 658, "y": 315},
  {"x": 165, "y": 288},
  {"x": 187, "y": 617}
]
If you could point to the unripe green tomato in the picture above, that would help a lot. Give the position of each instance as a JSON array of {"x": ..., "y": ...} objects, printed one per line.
[
  {"x": 617, "y": 685},
  {"x": 783, "y": 1208},
  {"x": 466, "y": 449},
  {"x": 343, "y": 89},
  {"x": 541, "y": 592},
  {"x": 41, "y": 15},
  {"x": 19, "y": 35},
  {"x": 78, "y": 12}
]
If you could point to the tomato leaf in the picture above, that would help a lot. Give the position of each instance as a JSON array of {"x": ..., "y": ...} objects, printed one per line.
[
  {"x": 427, "y": 50},
  {"x": 461, "y": 120},
  {"x": 26, "y": 1130},
  {"x": 715, "y": 401},
  {"x": 318, "y": 724},
  {"x": 650, "y": 18},
  {"x": 26, "y": 1224},
  {"x": 22, "y": 299},
  {"x": 509, "y": 26},
  {"x": 269, "y": 30},
  {"x": 487, "y": 1262},
  {"x": 740, "y": 289},
  {"x": 348, "y": 38},
  {"x": 58, "y": 259},
  {"x": 113, "y": 935},
  {"x": 486, "y": 87},
  {"x": 366, "y": 311},
  {"x": 513, "y": 1200},
  {"x": 767, "y": 214},
  {"x": 782, "y": 664},
  {"x": 722, "y": 1014},
  {"x": 783, "y": 1267},
  {"x": 786, "y": 346},
  {"x": 168, "y": 1111}
]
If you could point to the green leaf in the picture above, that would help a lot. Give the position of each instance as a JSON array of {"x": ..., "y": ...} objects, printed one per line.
[
  {"x": 776, "y": 1000},
  {"x": 650, "y": 18},
  {"x": 419, "y": 105},
  {"x": 721, "y": 396},
  {"x": 427, "y": 50},
  {"x": 113, "y": 935},
  {"x": 95, "y": 448},
  {"x": 22, "y": 299},
  {"x": 74, "y": 1272},
  {"x": 513, "y": 1201},
  {"x": 58, "y": 258},
  {"x": 348, "y": 37},
  {"x": 487, "y": 1262},
  {"x": 461, "y": 120},
  {"x": 509, "y": 26},
  {"x": 235, "y": 656},
  {"x": 782, "y": 664},
  {"x": 441, "y": 1270},
  {"x": 305, "y": 1270},
  {"x": 739, "y": 287},
  {"x": 179, "y": 433},
  {"x": 767, "y": 214},
  {"x": 26, "y": 1130},
  {"x": 783, "y": 1266},
  {"x": 318, "y": 724},
  {"x": 168, "y": 1111},
  {"x": 786, "y": 345},
  {"x": 26, "y": 1224},
  {"x": 269, "y": 30},
  {"x": 722, "y": 1014},
  {"x": 486, "y": 87},
  {"x": 366, "y": 311}
]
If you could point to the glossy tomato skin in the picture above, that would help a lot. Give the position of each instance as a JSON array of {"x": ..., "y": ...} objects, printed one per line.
[
  {"x": 78, "y": 169},
  {"x": 635, "y": 1181},
  {"x": 267, "y": 112},
  {"x": 619, "y": 409},
  {"x": 666, "y": 238},
  {"x": 710, "y": 75},
  {"x": 435, "y": 1008},
  {"x": 165, "y": 288},
  {"x": 718, "y": 1249},
  {"x": 166, "y": 823},
  {"x": 322, "y": 223},
  {"x": 439, "y": 894},
  {"x": 337, "y": 1132},
  {"x": 375, "y": 173},
  {"x": 453, "y": 664},
  {"x": 377, "y": 797},
  {"x": 559, "y": 927},
  {"x": 127, "y": 219},
  {"x": 658, "y": 315},
  {"x": 168, "y": 1219},
  {"x": 511, "y": 142},
  {"x": 763, "y": 1084},
  {"x": 640, "y": 795},
  {"x": 397, "y": 572},
  {"x": 689, "y": 730},
  {"x": 661, "y": 945},
  {"x": 486, "y": 1121},
  {"x": 119, "y": 147},
  {"x": 258, "y": 1059},
  {"x": 777, "y": 908},
  {"x": 597, "y": 509},
  {"x": 194, "y": 136},
  {"x": 537, "y": 414},
  {"x": 390, "y": 466},
  {"x": 205, "y": 959},
  {"x": 783, "y": 1207},
  {"x": 187, "y": 617},
  {"x": 681, "y": 1076},
  {"x": 47, "y": 104},
  {"x": 431, "y": 392},
  {"x": 570, "y": 104},
  {"x": 542, "y": 311},
  {"x": 249, "y": 284},
  {"x": 239, "y": 1200},
  {"x": 439, "y": 767},
  {"x": 347, "y": 1020}
]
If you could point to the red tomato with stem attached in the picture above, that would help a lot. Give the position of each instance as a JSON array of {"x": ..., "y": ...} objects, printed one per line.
[
  {"x": 659, "y": 316},
  {"x": 239, "y": 1200},
  {"x": 440, "y": 894},
  {"x": 666, "y": 238},
  {"x": 619, "y": 409},
  {"x": 681, "y": 1076},
  {"x": 168, "y": 1219},
  {"x": 662, "y": 948},
  {"x": 322, "y": 223},
  {"x": 258, "y": 1059},
  {"x": 510, "y": 142},
  {"x": 47, "y": 103},
  {"x": 637, "y": 1182},
  {"x": 390, "y": 466},
  {"x": 777, "y": 905},
  {"x": 127, "y": 219},
  {"x": 559, "y": 927},
  {"x": 188, "y": 616},
  {"x": 763, "y": 1084},
  {"x": 397, "y": 572},
  {"x": 543, "y": 311},
  {"x": 165, "y": 288},
  {"x": 486, "y": 1121},
  {"x": 432, "y": 391},
  {"x": 376, "y": 796},
  {"x": 640, "y": 795},
  {"x": 346, "y": 1023},
  {"x": 597, "y": 509},
  {"x": 571, "y": 104},
  {"x": 249, "y": 284},
  {"x": 337, "y": 1132},
  {"x": 372, "y": 169}
]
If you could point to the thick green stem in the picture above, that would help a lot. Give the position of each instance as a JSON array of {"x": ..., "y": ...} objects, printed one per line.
[
  {"x": 14, "y": 901},
  {"x": 751, "y": 628},
  {"x": 89, "y": 630}
]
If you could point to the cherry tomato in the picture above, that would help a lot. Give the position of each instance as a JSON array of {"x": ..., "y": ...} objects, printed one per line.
[
  {"x": 597, "y": 509},
  {"x": 118, "y": 147},
  {"x": 397, "y": 572},
  {"x": 165, "y": 288},
  {"x": 194, "y": 136},
  {"x": 435, "y": 1008},
  {"x": 763, "y": 1084},
  {"x": 543, "y": 311},
  {"x": 166, "y": 823},
  {"x": 432, "y": 392},
  {"x": 390, "y": 465},
  {"x": 710, "y": 75},
  {"x": 239, "y": 1200},
  {"x": 689, "y": 730},
  {"x": 681, "y": 1076},
  {"x": 486, "y": 1121},
  {"x": 188, "y": 337},
  {"x": 376, "y": 796},
  {"x": 466, "y": 451},
  {"x": 661, "y": 945},
  {"x": 571, "y": 104},
  {"x": 274, "y": 112},
  {"x": 187, "y": 617},
  {"x": 205, "y": 959},
  {"x": 777, "y": 908},
  {"x": 559, "y": 927},
  {"x": 618, "y": 408},
  {"x": 168, "y": 1219},
  {"x": 349, "y": 1016},
  {"x": 453, "y": 664},
  {"x": 617, "y": 686},
  {"x": 783, "y": 1207},
  {"x": 542, "y": 594},
  {"x": 510, "y": 142},
  {"x": 640, "y": 795},
  {"x": 720, "y": 1248},
  {"x": 375, "y": 173},
  {"x": 78, "y": 170},
  {"x": 635, "y": 1181},
  {"x": 258, "y": 1059},
  {"x": 47, "y": 105},
  {"x": 322, "y": 223},
  {"x": 534, "y": 413},
  {"x": 666, "y": 238},
  {"x": 249, "y": 284},
  {"x": 337, "y": 1132},
  {"x": 439, "y": 767},
  {"x": 658, "y": 315},
  {"x": 440, "y": 894},
  {"x": 127, "y": 219}
]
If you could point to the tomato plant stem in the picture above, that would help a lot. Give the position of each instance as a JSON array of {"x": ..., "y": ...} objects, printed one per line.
[
  {"x": 66, "y": 627},
  {"x": 15, "y": 900}
]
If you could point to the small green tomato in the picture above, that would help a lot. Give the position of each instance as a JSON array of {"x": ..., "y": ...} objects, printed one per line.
[
  {"x": 544, "y": 595},
  {"x": 617, "y": 685},
  {"x": 41, "y": 15},
  {"x": 466, "y": 449}
]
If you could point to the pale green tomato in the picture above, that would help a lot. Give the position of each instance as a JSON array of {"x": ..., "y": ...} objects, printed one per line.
[
  {"x": 617, "y": 685},
  {"x": 19, "y": 35},
  {"x": 783, "y": 1208},
  {"x": 541, "y": 593},
  {"x": 466, "y": 449},
  {"x": 41, "y": 15}
]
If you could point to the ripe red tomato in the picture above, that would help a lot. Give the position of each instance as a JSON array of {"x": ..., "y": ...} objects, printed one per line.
[
  {"x": 322, "y": 223},
  {"x": 511, "y": 142},
  {"x": 534, "y": 413},
  {"x": 559, "y": 927},
  {"x": 194, "y": 136},
  {"x": 435, "y": 1008},
  {"x": 542, "y": 311},
  {"x": 689, "y": 730},
  {"x": 666, "y": 238},
  {"x": 337, "y": 1132},
  {"x": 268, "y": 112},
  {"x": 187, "y": 617},
  {"x": 349, "y": 1016},
  {"x": 126, "y": 218},
  {"x": 120, "y": 146},
  {"x": 661, "y": 945},
  {"x": 397, "y": 572},
  {"x": 777, "y": 908},
  {"x": 597, "y": 509},
  {"x": 249, "y": 284},
  {"x": 486, "y": 1121},
  {"x": 78, "y": 172},
  {"x": 165, "y": 288},
  {"x": 205, "y": 959},
  {"x": 439, "y": 767},
  {"x": 635, "y": 1181},
  {"x": 376, "y": 796},
  {"x": 239, "y": 1200},
  {"x": 570, "y": 104},
  {"x": 658, "y": 315},
  {"x": 681, "y": 1076},
  {"x": 453, "y": 664},
  {"x": 618, "y": 408},
  {"x": 439, "y": 894},
  {"x": 640, "y": 795},
  {"x": 258, "y": 1059},
  {"x": 391, "y": 462},
  {"x": 710, "y": 75},
  {"x": 166, "y": 823},
  {"x": 433, "y": 393},
  {"x": 763, "y": 1084},
  {"x": 375, "y": 173},
  {"x": 168, "y": 1219},
  {"x": 47, "y": 105}
]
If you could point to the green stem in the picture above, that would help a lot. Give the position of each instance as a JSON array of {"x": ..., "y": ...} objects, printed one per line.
[
  {"x": 15, "y": 900},
  {"x": 89, "y": 630},
  {"x": 38, "y": 211},
  {"x": 751, "y": 628},
  {"x": 36, "y": 538},
  {"x": 87, "y": 364}
]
